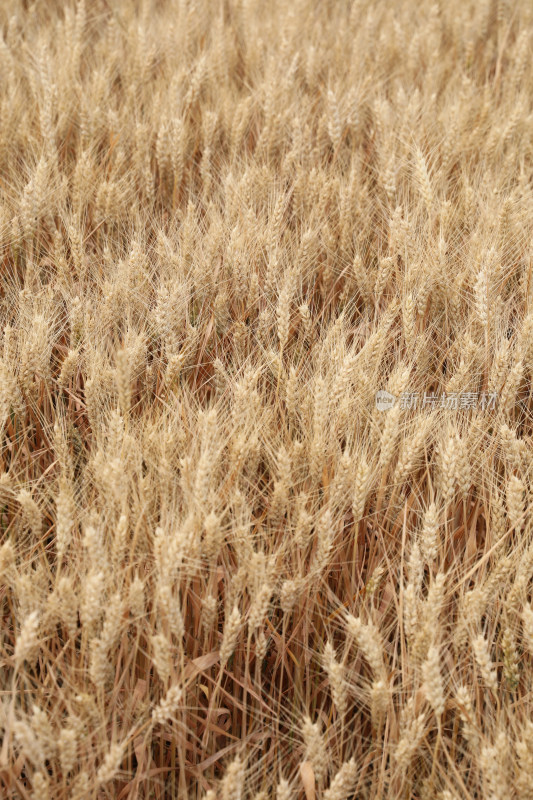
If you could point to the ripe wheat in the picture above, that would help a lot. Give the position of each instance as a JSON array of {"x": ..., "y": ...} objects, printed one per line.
[{"x": 224, "y": 227}]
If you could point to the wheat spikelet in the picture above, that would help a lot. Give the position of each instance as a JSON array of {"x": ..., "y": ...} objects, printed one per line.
[
  {"x": 360, "y": 488},
  {"x": 482, "y": 294},
  {"x": 527, "y": 621},
  {"x": 409, "y": 741},
  {"x": 283, "y": 790},
  {"x": 90, "y": 608},
  {"x": 27, "y": 641},
  {"x": 231, "y": 631},
  {"x": 369, "y": 640},
  {"x": 31, "y": 512},
  {"x": 336, "y": 677},
  {"x": 423, "y": 178},
  {"x": 67, "y": 749},
  {"x": 233, "y": 782},
  {"x": 259, "y": 607},
  {"x": 494, "y": 774},
  {"x": 343, "y": 782},
  {"x": 429, "y": 537},
  {"x": 433, "y": 687},
  {"x": 510, "y": 659},
  {"x": 28, "y": 742},
  {"x": 515, "y": 500},
  {"x": 65, "y": 516},
  {"x": 41, "y": 727},
  {"x": 315, "y": 750},
  {"x": 486, "y": 667},
  {"x": 41, "y": 785},
  {"x": 168, "y": 705},
  {"x": 123, "y": 380},
  {"x": 110, "y": 764}
]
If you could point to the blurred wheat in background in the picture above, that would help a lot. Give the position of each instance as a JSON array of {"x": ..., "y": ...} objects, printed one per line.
[{"x": 225, "y": 573}]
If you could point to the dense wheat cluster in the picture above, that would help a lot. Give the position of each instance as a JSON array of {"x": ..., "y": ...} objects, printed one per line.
[{"x": 225, "y": 572}]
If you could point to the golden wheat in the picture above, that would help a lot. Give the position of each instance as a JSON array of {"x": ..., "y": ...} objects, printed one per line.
[{"x": 228, "y": 568}]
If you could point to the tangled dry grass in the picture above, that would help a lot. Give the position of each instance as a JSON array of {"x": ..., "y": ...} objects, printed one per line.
[{"x": 224, "y": 572}]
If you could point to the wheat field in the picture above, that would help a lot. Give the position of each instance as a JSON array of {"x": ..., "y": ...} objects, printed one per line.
[{"x": 228, "y": 571}]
